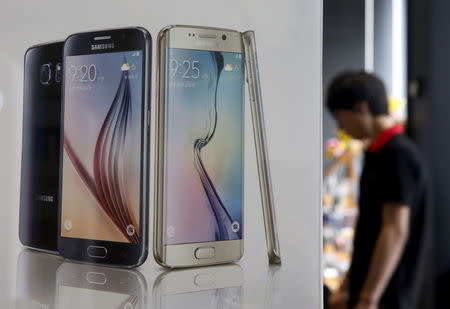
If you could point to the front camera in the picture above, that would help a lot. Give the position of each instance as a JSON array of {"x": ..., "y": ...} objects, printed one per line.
[{"x": 224, "y": 37}]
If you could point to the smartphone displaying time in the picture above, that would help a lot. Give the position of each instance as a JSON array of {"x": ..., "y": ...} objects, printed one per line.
[
  {"x": 105, "y": 147},
  {"x": 199, "y": 179}
]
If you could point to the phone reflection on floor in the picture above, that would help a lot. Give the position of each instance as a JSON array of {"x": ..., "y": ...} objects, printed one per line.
[
  {"x": 88, "y": 286},
  {"x": 272, "y": 287},
  {"x": 218, "y": 287},
  {"x": 36, "y": 275}
]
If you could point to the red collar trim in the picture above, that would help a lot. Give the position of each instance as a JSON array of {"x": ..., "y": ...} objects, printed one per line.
[{"x": 385, "y": 137}]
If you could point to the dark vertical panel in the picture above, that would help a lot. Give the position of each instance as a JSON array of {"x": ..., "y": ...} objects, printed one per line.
[
  {"x": 429, "y": 64},
  {"x": 437, "y": 130},
  {"x": 429, "y": 107},
  {"x": 418, "y": 68}
]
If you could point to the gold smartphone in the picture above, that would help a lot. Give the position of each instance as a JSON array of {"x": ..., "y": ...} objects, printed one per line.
[
  {"x": 199, "y": 187},
  {"x": 265, "y": 183}
]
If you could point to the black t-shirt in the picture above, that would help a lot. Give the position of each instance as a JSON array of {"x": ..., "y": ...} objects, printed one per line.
[{"x": 395, "y": 173}]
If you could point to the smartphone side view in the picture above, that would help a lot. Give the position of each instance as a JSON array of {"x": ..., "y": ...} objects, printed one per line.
[
  {"x": 104, "y": 173},
  {"x": 199, "y": 147},
  {"x": 265, "y": 182},
  {"x": 38, "y": 218}
]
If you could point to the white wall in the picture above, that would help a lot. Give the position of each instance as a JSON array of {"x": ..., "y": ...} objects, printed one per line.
[{"x": 289, "y": 38}]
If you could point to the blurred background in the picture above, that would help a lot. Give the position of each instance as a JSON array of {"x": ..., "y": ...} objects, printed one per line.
[{"x": 405, "y": 43}]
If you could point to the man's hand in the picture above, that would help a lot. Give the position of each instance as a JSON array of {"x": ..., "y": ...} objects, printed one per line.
[{"x": 338, "y": 300}]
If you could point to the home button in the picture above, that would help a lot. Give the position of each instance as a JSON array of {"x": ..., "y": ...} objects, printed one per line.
[
  {"x": 205, "y": 253},
  {"x": 97, "y": 251}
]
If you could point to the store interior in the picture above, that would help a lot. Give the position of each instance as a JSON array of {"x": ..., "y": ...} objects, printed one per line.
[{"x": 405, "y": 43}]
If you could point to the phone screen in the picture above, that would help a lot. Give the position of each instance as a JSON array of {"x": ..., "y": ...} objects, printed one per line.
[
  {"x": 75, "y": 297},
  {"x": 203, "y": 189},
  {"x": 103, "y": 108}
]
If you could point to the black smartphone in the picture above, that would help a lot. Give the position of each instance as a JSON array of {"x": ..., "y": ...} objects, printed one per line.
[
  {"x": 38, "y": 219},
  {"x": 92, "y": 286},
  {"x": 104, "y": 160}
]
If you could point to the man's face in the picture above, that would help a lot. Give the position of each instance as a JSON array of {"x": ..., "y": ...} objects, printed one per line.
[{"x": 357, "y": 122}]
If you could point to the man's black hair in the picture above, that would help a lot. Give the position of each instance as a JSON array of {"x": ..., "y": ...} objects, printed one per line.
[{"x": 349, "y": 88}]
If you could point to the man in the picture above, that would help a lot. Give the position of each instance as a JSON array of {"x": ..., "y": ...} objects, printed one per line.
[{"x": 391, "y": 236}]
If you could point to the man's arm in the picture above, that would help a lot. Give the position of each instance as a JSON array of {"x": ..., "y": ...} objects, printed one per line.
[{"x": 388, "y": 251}]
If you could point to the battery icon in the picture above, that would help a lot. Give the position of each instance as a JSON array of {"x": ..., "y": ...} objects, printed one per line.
[{"x": 229, "y": 67}]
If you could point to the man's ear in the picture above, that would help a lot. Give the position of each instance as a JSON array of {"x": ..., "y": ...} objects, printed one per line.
[{"x": 362, "y": 107}]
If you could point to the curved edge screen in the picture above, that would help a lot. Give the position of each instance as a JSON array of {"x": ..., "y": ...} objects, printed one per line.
[{"x": 203, "y": 195}]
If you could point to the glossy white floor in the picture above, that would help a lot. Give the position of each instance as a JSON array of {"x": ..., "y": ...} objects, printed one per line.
[
  {"x": 289, "y": 43},
  {"x": 46, "y": 281},
  {"x": 38, "y": 280}
]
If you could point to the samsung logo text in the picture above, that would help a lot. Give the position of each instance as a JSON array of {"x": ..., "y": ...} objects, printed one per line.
[
  {"x": 45, "y": 198},
  {"x": 102, "y": 46}
]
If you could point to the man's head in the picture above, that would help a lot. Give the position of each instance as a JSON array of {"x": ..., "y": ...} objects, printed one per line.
[{"x": 356, "y": 99}]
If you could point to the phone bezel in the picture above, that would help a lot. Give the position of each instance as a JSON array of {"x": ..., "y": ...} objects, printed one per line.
[
  {"x": 119, "y": 253},
  {"x": 182, "y": 255}
]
